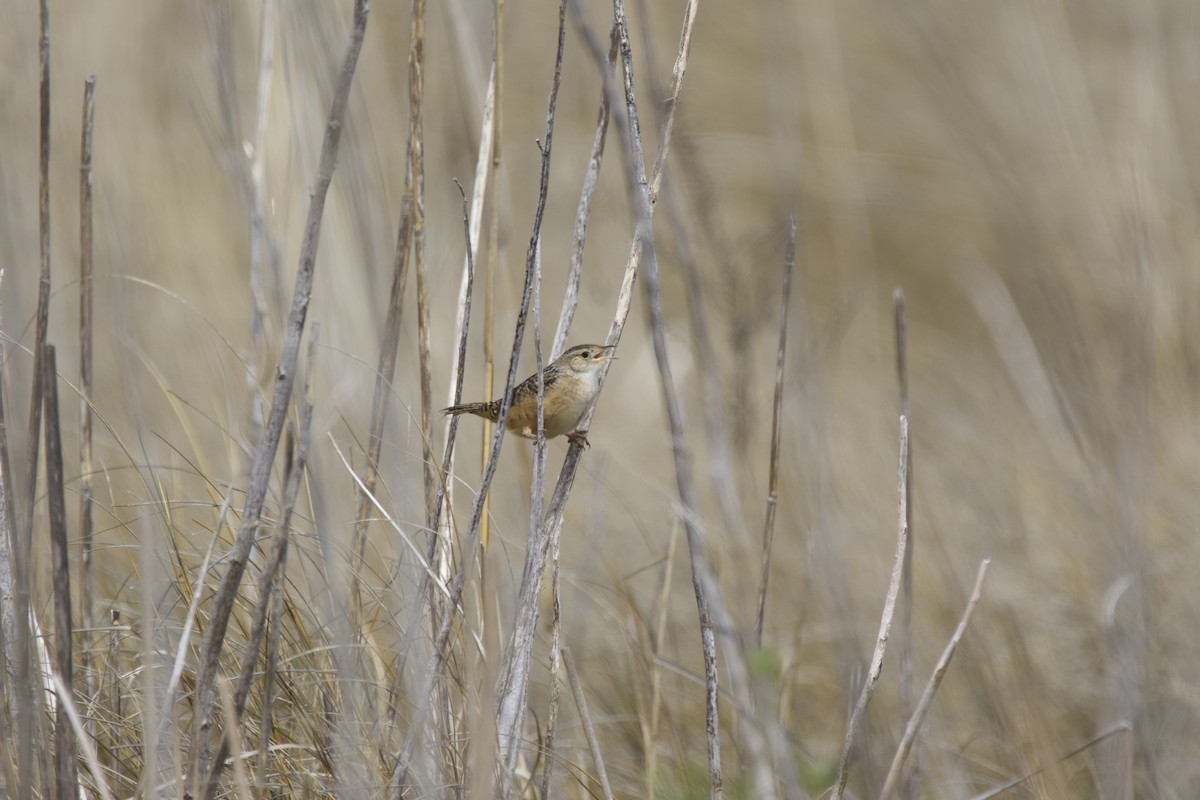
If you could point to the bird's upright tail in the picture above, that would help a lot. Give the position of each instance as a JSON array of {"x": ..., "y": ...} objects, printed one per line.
[{"x": 489, "y": 411}]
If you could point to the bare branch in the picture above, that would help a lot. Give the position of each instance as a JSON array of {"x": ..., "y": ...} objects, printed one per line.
[
  {"x": 789, "y": 266},
  {"x": 285, "y": 378},
  {"x": 885, "y": 622},
  {"x": 935, "y": 680}
]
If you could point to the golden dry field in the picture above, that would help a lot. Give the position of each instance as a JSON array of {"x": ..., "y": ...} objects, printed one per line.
[{"x": 1026, "y": 173}]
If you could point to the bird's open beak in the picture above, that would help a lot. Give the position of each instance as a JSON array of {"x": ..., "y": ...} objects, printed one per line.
[{"x": 608, "y": 353}]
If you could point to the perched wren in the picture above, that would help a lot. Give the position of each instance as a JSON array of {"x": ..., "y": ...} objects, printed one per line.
[{"x": 571, "y": 384}]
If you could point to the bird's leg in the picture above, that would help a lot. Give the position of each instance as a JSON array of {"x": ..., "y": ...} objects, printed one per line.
[{"x": 579, "y": 437}]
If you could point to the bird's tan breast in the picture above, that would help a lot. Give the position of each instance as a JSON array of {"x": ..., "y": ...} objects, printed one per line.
[{"x": 564, "y": 404}]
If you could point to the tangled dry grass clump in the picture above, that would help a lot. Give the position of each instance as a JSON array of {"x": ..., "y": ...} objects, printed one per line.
[{"x": 938, "y": 536}]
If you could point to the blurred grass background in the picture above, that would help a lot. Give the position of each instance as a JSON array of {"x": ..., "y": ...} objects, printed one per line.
[{"x": 1022, "y": 170}]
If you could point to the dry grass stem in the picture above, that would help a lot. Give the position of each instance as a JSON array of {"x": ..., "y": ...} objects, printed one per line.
[
  {"x": 905, "y": 643},
  {"x": 264, "y": 254},
  {"x": 710, "y": 603},
  {"x": 295, "y": 455},
  {"x": 514, "y": 671},
  {"x": 1110, "y": 731},
  {"x": 885, "y": 622},
  {"x": 65, "y": 697},
  {"x": 589, "y": 730},
  {"x": 548, "y": 748},
  {"x": 472, "y": 221},
  {"x": 416, "y": 122},
  {"x": 584, "y": 210},
  {"x": 789, "y": 267},
  {"x": 389, "y": 346},
  {"x": 66, "y": 776},
  {"x": 87, "y": 582},
  {"x": 285, "y": 379},
  {"x": 918, "y": 717},
  {"x": 508, "y": 746},
  {"x": 546, "y": 540}
]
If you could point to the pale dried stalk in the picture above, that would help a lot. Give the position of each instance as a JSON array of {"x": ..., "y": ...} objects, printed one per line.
[
  {"x": 472, "y": 220},
  {"x": 905, "y": 645},
  {"x": 64, "y": 698},
  {"x": 285, "y": 377},
  {"x": 710, "y": 604},
  {"x": 515, "y": 680},
  {"x": 489, "y": 293},
  {"x": 22, "y": 550},
  {"x": 548, "y": 753},
  {"x": 885, "y": 622},
  {"x": 584, "y": 210},
  {"x": 438, "y": 656},
  {"x": 789, "y": 267},
  {"x": 87, "y": 590},
  {"x": 416, "y": 121},
  {"x": 935, "y": 680},
  {"x": 1112, "y": 730},
  {"x": 66, "y": 777},
  {"x": 263, "y": 253},
  {"x": 270, "y": 582},
  {"x": 570, "y": 301},
  {"x": 589, "y": 731},
  {"x": 514, "y": 674}
]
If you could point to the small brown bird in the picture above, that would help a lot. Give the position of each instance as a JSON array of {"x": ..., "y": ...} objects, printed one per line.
[{"x": 571, "y": 385}]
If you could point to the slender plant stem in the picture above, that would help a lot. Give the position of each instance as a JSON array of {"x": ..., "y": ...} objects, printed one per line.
[
  {"x": 905, "y": 644},
  {"x": 789, "y": 267},
  {"x": 416, "y": 121},
  {"x": 935, "y": 680},
  {"x": 65, "y": 771},
  {"x": 514, "y": 675},
  {"x": 1110, "y": 731},
  {"x": 87, "y": 584},
  {"x": 400, "y": 772},
  {"x": 285, "y": 377},
  {"x": 885, "y": 622},
  {"x": 23, "y": 551},
  {"x": 515, "y": 678},
  {"x": 589, "y": 730},
  {"x": 584, "y": 210},
  {"x": 271, "y": 580}
]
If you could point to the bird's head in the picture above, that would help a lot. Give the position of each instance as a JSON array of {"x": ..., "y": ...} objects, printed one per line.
[{"x": 585, "y": 358}]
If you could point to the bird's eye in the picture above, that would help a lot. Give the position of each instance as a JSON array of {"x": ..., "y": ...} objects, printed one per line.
[{"x": 586, "y": 354}]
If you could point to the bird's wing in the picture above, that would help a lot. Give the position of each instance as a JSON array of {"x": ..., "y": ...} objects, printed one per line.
[{"x": 528, "y": 387}]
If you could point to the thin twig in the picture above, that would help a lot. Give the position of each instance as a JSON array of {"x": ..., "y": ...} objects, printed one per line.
[
  {"x": 441, "y": 514},
  {"x": 22, "y": 552},
  {"x": 87, "y": 590},
  {"x": 1110, "y": 731},
  {"x": 285, "y": 378},
  {"x": 514, "y": 675},
  {"x": 905, "y": 645},
  {"x": 555, "y": 678},
  {"x": 263, "y": 252},
  {"x": 438, "y": 656},
  {"x": 885, "y": 622},
  {"x": 789, "y": 266},
  {"x": 584, "y": 210},
  {"x": 589, "y": 732},
  {"x": 570, "y": 301},
  {"x": 472, "y": 220},
  {"x": 64, "y": 741},
  {"x": 519, "y": 654},
  {"x": 385, "y": 369},
  {"x": 64, "y": 696},
  {"x": 935, "y": 680},
  {"x": 270, "y": 582},
  {"x": 710, "y": 605},
  {"x": 416, "y": 123}
]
